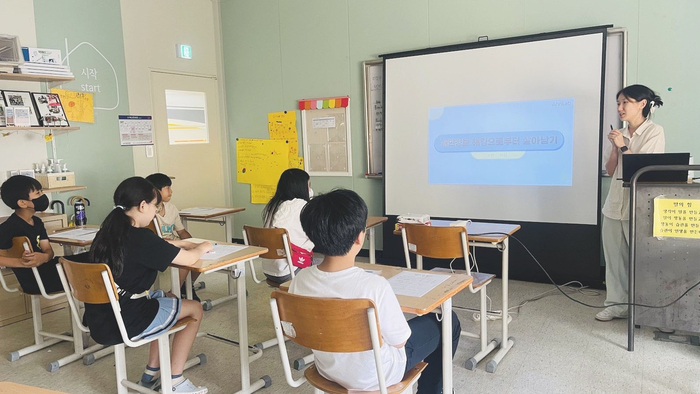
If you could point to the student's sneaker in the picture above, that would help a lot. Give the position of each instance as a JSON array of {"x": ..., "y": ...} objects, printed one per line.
[
  {"x": 188, "y": 388},
  {"x": 153, "y": 384},
  {"x": 666, "y": 330},
  {"x": 183, "y": 293},
  {"x": 608, "y": 314}
]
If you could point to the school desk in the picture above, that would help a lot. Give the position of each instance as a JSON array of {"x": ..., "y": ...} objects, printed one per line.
[
  {"x": 68, "y": 243},
  {"x": 236, "y": 263},
  {"x": 211, "y": 215},
  {"x": 439, "y": 297},
  {"x": 492, "y": 235},
  {"x": 372, "y": 222}
]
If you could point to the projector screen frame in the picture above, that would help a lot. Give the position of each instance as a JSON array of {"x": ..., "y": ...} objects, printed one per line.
[{"x": 591, "y": 232}]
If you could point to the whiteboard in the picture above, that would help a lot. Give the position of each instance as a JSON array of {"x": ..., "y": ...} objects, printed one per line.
[{"x": 615, "y": 80}]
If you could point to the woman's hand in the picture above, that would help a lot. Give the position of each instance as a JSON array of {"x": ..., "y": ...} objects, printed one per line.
[{"x": 616, "y": 138}]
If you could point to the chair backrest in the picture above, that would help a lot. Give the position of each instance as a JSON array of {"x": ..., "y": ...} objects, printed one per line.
[
  {"x": 17, "y": 248},
  {"x": 86, "y": 281},
  {"x": 153, "y": 226},
  {"x": 326, "y": 324},
  {"x": 270, "y": 238},
  {"x": 435, "y": 242}
]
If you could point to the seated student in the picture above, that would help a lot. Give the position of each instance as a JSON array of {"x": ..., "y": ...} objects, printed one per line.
[
  {"x": 335, "y": 222},
  {"x": 282, "y": 211},
  {"x": 168, "y": 216},
  {"x": 24, "y": 195},
  {"x": 135, "y": 255}
]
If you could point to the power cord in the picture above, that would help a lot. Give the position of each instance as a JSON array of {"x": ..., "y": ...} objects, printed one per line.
[{"x": 581, "y": 302}]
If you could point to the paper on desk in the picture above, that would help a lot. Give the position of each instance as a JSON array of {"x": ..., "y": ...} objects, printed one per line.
[
  {"x": 203, "y": 211},
  {"x": 415, "y": 284},
  {"x": 220, "y": 251},
  {"x": 79, "y": 234}
]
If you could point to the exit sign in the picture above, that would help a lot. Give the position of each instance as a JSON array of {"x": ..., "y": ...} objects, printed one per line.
[{"x": 184, "y": 51}]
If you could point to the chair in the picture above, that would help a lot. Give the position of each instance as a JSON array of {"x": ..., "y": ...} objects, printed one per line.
[
  {"x": 276, "y": 240},
  {"x": 451, "y": 243},
  {"x": 93, "y": 284},
  {"x": 332, "y": 325},
  {"x": 43, "y": 339},
  {"x": 153, "y": 226}
]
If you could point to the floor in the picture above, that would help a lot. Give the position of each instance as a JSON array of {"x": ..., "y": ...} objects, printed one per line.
[{"x": 559, "y": 348}]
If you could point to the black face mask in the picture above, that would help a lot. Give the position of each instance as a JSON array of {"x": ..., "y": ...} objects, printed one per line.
[{"x": 41, "y": 203}]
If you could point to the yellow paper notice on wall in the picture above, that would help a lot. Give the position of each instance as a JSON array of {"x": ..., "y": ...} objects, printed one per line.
[
  {"x": 676, "y": 218},
  {"x": 296, "y": 162},
  {"x": 78, "y": 106},
  {"x": 260, "y": 162},
  {"x": 261, "y": 194},
  {"x": 282, "y": 125}
]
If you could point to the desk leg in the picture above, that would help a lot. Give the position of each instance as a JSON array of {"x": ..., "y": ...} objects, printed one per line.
[
  {"x": 188, "y": 285},
  {"x": 175, "y": 280},
  {"x": 372, "y": 247},
  {"x": 265, "y": 381},
  {"x": 447, "y": 346},
  {"x": 67, "y": 250},
  {"x": 507, "y": 342},
  {"x": 228, "y": 224}
]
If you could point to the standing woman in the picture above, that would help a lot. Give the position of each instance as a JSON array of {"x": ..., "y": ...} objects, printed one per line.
[{"x": 635, "y": 104}]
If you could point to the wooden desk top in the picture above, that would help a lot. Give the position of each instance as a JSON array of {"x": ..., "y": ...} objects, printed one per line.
[
  {"x": 71, "y": 241},
  {"x": 210, "y": 265},
  {"x": 16, "y": 388},
  {"x": 224, "y": 212},
  {"x": 417, "y": 305},
  {"x": 481, "y": 228},
  {"x": 375, "y": 221}
]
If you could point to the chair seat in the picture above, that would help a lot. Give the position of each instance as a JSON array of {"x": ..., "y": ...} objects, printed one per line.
[
  {"x": 480, "y": 278},
  {"x": 314, "y": 377},
  {"x": 182, "y": 322}
]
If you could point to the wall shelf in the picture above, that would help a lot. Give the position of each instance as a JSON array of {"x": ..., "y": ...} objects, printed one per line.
[
  {"x": 65, "y": 189},
  {"x": 15, "y": 128},
  {"x": 34, "y": 77}
]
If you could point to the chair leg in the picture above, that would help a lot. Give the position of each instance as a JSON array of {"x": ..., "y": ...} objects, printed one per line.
[
  {"x": 39, "y": 341},
  {"x": 164, "y": 357},
  {"x": 486, "y": 347},
  {"x": 317, "y": 391},
  {"x": 120, "y": 366},
  {"x": 252, "y": 272}
]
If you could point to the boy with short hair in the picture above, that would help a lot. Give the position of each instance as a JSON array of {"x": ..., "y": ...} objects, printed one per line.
[
  {"x": 168, "y": 217},
  {"x": 25, "y": 196},
  {"x": 335, "y": 223}
]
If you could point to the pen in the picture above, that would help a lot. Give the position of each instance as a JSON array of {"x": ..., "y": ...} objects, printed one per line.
[{"x": 611, "y": 128}]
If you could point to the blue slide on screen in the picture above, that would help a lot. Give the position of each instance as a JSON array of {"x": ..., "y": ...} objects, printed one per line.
[{"x": 525, "y": 143}]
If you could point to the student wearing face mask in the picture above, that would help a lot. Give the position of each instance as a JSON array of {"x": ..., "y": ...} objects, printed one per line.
[
  {"x": 25, "y": 196},
  {"x": 635, "y": 105},
  {"x": 283, "y": 211}
]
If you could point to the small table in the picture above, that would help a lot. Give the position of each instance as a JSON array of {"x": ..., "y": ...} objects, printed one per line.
[
  {"x": 211, "y": 215},
  {"x": 440, "y": 296},
  {"x": 492, "y": 235},
  {"x": 236, "y": 263},
  {"x": 372, "y": 222},
  {"x": 74, "y": 236}
]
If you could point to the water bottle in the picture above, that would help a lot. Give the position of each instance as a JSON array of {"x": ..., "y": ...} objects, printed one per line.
[{"x": 80, "y": 217}]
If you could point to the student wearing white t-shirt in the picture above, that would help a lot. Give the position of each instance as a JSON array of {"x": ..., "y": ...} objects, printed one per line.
[
  {"x": 282, "y": 211},
  {"x": 635, "y": 104},
  {"x": 168, "y": 217},
  {"x": 335, "y": 222}
]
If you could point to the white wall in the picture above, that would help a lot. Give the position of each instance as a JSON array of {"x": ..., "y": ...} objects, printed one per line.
[{"x": 22, "y": 149}]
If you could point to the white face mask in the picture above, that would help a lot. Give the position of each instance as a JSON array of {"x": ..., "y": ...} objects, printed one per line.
[{"x": 311, "y": 193}]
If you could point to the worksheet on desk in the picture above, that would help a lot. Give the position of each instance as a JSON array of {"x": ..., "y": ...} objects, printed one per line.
[
  {"x": 79, "y": 234},
  {"x": 415, "y": 284},
  {"x": 221, "y": 251},
  {"x": 203, "y": 211}
]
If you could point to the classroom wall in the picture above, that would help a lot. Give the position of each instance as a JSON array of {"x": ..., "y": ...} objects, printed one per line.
[
  {"x": 279, "y": 51},
  {"x": 19, "y": 150},
  {"x": 94, "y": 29},
  {"x": 152, "y": 29}
]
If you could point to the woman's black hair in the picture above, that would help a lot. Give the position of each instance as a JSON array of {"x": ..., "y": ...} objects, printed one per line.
[
  {"x": 293, "y": 183},
  {"x": 108, "y": 246},
  {"x": 639, "y": 93}
]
